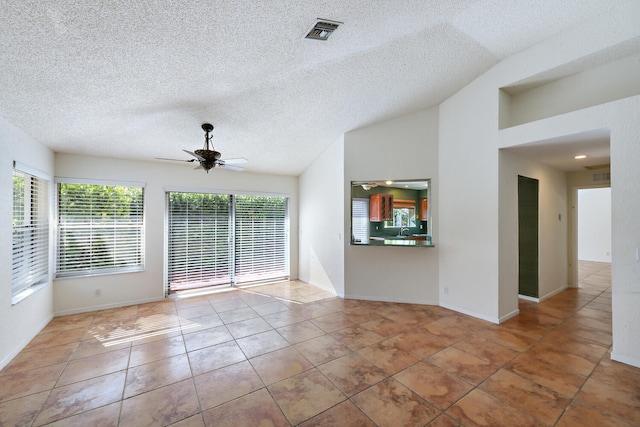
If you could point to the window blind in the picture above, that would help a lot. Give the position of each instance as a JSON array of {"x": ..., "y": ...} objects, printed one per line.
[
  {"x": 198, "y": 240},
  {"x": 360, "y": 220},
  {"x": 30, "y": 242},
  {"x": 100, "y": 229},
  {"x": 261, "y": 243}
]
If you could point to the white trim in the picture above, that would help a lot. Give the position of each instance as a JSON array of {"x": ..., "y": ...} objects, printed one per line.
[
  {"x": 556, "y": 292},
  {"x": 384, "y": 299},
  {"x": 528, "y": 298},
  {"x": 31, "y": 170},
  {"x": 109, "y": 182},
  {"x": 624, "y": 359},
  {"x": 472, "y": 313},
  {"x": 508, "y": 316},
  {"x": 106, "y": 306},
  {"x": 9, "y": 357}
]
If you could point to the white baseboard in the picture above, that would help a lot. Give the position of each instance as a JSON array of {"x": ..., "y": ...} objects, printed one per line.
[
  {"x": 9, "y": 357},
  {"x": 624, "y": 359},
  {"x": 384, "y": 299},
  {"x": 528, "y": 298},
  {"x": 106, "y": 306},
  {"x": 508, "y": 316},
  {"x": 556, "y": 292},
  {"x": 471, "y": 313}
]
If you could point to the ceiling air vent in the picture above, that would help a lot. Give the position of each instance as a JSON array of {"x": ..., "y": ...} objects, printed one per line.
[
  {"x": 322, "y": 29},
  {"x": 599, "y": 177}
]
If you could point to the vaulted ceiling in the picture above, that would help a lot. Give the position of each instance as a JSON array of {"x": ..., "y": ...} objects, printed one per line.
[{"x": 136, "y": 79}]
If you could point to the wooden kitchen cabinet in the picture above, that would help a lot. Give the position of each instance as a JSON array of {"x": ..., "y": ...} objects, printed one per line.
[
  {"x": 380, "y": 207},
  {"x": 424, "y": 209}
]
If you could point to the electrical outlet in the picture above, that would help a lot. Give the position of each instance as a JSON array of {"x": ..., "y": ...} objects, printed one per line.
[
  {"x": 97, "y": 293},
  {"x": 446, "y": 290}
]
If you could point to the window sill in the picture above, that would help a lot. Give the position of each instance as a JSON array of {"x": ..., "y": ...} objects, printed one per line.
[{"x": 22, "y": 295}]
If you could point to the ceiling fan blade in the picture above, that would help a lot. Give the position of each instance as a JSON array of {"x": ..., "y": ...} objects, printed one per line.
[
  {"x": 195, "y": 155},
  {"x": 230, "y": 167},
  {"x": 236, "y": 161},
  {"x": 176, "y": 160}
]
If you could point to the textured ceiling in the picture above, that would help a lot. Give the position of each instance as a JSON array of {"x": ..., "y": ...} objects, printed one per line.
[{"x": 135, "y": 79}]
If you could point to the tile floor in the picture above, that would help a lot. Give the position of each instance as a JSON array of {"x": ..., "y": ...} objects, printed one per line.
[{"x": 289, "y": 354}]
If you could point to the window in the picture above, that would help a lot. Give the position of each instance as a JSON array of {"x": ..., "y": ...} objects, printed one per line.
[
  {"x": 360, "y": 220},
  {"x": 261, "y": 243},
  {"x": 216, "y": 239},
  {"x": 198, "y": 240},
  {"x": 402, "y": 217},
  {"x": 30, "y": 266},
  {"x": 100, "y": 228}
]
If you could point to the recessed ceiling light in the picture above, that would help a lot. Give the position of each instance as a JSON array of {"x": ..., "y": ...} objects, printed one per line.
[
  {"x": 580, "y": 156},
  {"x": 388, "y": 182}
]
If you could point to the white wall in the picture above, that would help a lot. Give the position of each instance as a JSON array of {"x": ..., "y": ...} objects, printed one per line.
[
  {"x": 594, "y": 224},
  {"x": 321, "y": 237},
  {"x": 471, "y": 221},
  {"x": 21, "y": 322},
  {"x": 73, "y": 295},
  {"x": 404, "y": 148}
]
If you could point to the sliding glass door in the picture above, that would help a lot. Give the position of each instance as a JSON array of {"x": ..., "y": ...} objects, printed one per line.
[{"x": 220, "y": 239}]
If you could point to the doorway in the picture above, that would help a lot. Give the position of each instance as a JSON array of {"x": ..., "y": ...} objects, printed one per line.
[
  {"x": 594, "y": 237},
  {"x": 528, "y": 220}
]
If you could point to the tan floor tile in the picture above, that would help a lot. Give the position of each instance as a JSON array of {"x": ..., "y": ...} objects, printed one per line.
[
  {"x": 284, "y": 318},
  {"x": 229, "y": 305},
  {"x": 215, "y": 357},
  {"x": 248, "y": 327},
  {"x": 305, "y": 395},
  {"x": 390, "y": 403},
  {"x": 270, "y": 308},
  {"x": 434, "y": 384},
  {"x": 119, "y": 314},
  {"x": 22, "y": 411},
  {"x": 463, "y": 364},
  {"x": 299, "y": 332},
  {"x": 51, "y": 339},
  {"x": 162, "y": 406},
  {"x": 197, "y": 311},
  {"x": 444, "y": 421},
  {"x": 357, "y": 337},
  {"x": 611, "y": 400},
  {"x": 225, "y": 384},
  {"x": 88, "y": 348},
  {"x": 94, "y": 366},
  {"x": 237, "y": 315},
  {"x": 345, "y": 414},
  {"x": 280, "y": 364},
  {"x": 560, "y": 357},
  {"x": 255, "y": 409},
  {"x": 206, "y": 337},
  {"x": 388, "y": 356},
  {"x": 506, "y": 337},
  {"x": 80, "y": 397},
  {"x": 540, "y": 402},
  {"x": 322, "y": 349},
  {"x": 418, "y": 342},
  {"x": 360, "y": 314},
  {"x": 194, "y": 421},
  {"x": 72, "y": 321},
  {"x": 443, "y": 329},
  {"x": 385, "y": 327},
  {"x": 195, "y": 324},
  {"x": 622, "y": 376},
  {"x": 27, "y": 360},
  {"x": 106, "y": 416},
  {"x": 262, "y": 343},
  {"x": 490, "y": 351},
  {"x": 28, "y": 382},
  {"x": 481, "y": 409},
  {"x": 151, "y": 376},
  {"x": 352, "y": 373},
  {"x": 332, "y": 322},
  {"x": 551, "y": 376},
  {"x": 580, "y": 415},
  {"x": 156, "y": 350}
]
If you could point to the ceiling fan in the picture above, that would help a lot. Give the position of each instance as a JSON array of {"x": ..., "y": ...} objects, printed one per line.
[{"x": 210, "y": 158}]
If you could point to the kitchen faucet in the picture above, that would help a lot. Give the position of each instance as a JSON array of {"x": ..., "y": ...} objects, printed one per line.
[{"x": 402, "y": 230}]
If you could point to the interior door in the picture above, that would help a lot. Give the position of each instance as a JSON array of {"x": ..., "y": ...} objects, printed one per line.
[{"x": 528, "y": 189}]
